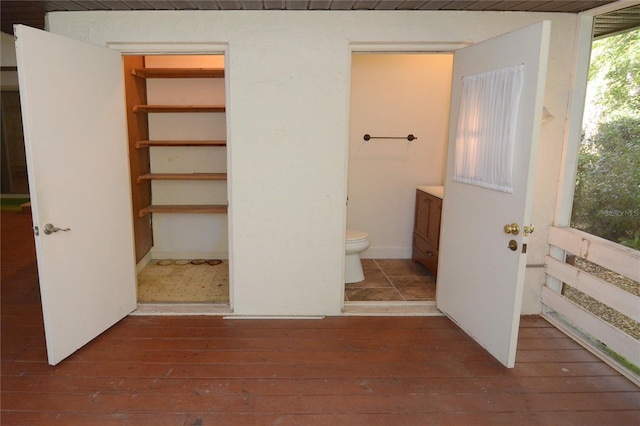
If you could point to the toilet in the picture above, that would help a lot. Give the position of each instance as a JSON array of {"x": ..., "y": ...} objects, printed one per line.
[{"x": 357, "y": 242}]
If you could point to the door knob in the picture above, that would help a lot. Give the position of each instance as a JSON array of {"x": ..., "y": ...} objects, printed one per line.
[
  {"x": 514, "y": 229},
  {"x": 50, "y": 229}
]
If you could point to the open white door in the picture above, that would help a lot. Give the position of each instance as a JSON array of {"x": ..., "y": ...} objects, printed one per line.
[
  {"x": 481, "y": 279},
  {"x": 72, "y": 97}
]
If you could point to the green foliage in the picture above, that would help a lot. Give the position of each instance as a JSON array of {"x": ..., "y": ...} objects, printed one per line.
[
  {"x": 616, "y": 60},
  {"x": 632, "y": 241},
  {"x": 607, "y": 194}
]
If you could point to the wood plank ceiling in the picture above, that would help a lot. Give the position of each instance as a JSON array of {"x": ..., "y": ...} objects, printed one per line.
[{"x": 32, "y": 12}]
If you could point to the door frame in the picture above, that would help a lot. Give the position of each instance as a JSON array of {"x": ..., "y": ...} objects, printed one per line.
[
  {"x": 449, "y": 47},
  {"x": 204, "y": 48},
  {"x": 575, "y": 115}
]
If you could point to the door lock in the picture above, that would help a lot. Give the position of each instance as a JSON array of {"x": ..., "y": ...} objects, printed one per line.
[
  {"x": 513, "y": 245},
  {"x": 514, "y": 229},
  {"x": 50, "y": 229}
]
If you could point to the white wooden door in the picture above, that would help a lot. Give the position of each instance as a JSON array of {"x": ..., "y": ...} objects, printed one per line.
[
  {"x": 72, "y": 97},
  {"x": 480, "y": 279}
]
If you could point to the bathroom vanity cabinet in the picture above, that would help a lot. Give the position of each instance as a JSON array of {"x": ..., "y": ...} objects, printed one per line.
[{"x": 426, "y": 229}]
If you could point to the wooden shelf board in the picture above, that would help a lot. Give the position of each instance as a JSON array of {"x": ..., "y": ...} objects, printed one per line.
[
  {"x": 209, "y": 208},
  {"x": 143, "y": 144},
  {"x": 178, "y": 72},
  {"x": 182, "y": 176},
  {"x": 178, "y": 108}
]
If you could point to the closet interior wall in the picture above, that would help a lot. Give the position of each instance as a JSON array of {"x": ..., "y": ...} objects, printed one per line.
[{"x": 177, "y": 145}]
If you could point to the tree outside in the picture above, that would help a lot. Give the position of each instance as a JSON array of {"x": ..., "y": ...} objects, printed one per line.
[{"x": 607, "y": 194}]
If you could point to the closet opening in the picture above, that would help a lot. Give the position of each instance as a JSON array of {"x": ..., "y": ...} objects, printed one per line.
[{"x": 176, "y": 118}]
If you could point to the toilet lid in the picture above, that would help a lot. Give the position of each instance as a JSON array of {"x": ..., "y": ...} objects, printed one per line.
[{"x": 353, "y": 235}]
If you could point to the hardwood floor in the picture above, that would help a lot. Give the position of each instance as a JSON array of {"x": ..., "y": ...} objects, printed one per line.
[{"x": 206, "y": 370}]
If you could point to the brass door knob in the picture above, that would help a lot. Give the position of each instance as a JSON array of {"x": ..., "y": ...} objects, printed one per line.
[{"x": 514, "y": 229}]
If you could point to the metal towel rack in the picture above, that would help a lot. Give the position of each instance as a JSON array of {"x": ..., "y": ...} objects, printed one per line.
[{"x": 409, "y": 137}]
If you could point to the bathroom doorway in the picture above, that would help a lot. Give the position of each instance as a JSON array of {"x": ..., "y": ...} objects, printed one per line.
[
  {"x": 177, "y": 147},
  {"x": 394, "y": 95}
]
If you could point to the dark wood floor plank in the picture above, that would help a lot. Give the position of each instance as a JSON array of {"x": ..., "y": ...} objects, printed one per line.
[
  {"x": 283, "y": 387},
  {"x": 589, "y": 418},
  {"x": 584, "y": 384},
  {"x": 547, "y": 344},
  {"x": 566, "y": 355},
  {"x": 57, "y": 418},
  {"x": 392, "y": 386},
  {"x": 260, "y": 370},
  {"x": 368, "y": 419},
  {"x": 279, "y": 356},
  {"x": 131, "y": 331},
  {"x": 246, "y": 402},
  {"x": 562, "y": 369},
  {"x": 581, "y": 401},
  {"x": 205, "y": 370},
  {"x": 540, "y": 333}
]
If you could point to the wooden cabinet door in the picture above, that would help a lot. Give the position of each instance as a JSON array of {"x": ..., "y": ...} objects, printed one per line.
[
  {"x": 433, "y": 228},
  {"x": 421, "y": 223}
]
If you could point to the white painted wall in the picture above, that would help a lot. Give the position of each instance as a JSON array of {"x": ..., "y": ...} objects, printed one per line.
[
  {"x": 395, "y": 95},
  {"x": 188, "y": 236},
  {"x": 288, "y": 125}
]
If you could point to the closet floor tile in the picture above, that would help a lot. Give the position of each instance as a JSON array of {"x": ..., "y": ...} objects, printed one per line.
[{"x": 184, "y": 282}]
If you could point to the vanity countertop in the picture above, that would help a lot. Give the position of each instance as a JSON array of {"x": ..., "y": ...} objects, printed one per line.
[{"x": 437, "y": 191}]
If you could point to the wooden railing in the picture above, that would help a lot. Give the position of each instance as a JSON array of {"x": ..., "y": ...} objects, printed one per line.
[{"x": 605, "y": 339}]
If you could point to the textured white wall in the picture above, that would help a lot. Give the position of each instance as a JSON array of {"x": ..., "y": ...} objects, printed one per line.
[
  {"x": 394, "y": 95},
  {"x": 288, "y": 124}
]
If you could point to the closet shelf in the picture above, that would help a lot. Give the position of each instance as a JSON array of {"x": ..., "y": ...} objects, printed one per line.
[
  {"x": 143, "y": 144},
  {"x": 191, "y": 208},
  {"x": 182, "y": 176},
  {"x": 178, "y": 108},
  {"x": 178, "y": 72}
]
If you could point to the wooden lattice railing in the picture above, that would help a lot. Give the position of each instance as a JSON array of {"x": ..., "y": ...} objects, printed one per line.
[{"x": 606, "y": 339}]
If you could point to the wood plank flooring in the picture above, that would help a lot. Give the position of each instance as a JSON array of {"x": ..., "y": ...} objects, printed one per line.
[{"x": 206, "y": 370}]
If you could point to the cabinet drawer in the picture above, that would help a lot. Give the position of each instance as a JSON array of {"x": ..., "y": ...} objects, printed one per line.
[{"x": 425, "y": 253}]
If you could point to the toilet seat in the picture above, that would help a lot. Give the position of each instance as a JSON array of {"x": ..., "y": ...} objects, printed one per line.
[{"x": 354, "y": 235}]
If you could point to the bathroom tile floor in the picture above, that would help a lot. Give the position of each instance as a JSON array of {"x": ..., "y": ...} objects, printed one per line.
[
  {"x": 392, "y": 280},
  {"x": 182, "y": 281}
]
